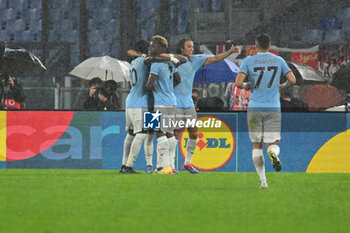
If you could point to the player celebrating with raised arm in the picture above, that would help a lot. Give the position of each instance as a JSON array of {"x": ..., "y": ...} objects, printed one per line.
[
  {"x": 184, "y": 104},
  {"x": 264, "y": 109}
]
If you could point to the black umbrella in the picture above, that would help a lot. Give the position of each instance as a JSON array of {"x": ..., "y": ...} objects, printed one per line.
[
  {"x": 341, "y": 78},
  {"x": 20, "y": 62}
]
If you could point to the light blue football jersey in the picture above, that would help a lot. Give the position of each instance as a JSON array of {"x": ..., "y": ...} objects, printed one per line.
[
  {"x": 187, "y": 71},
  {"x": 163, "y": 91},
  {"x": 137, "y": 97},
  {"x": 264, "y": 71}
]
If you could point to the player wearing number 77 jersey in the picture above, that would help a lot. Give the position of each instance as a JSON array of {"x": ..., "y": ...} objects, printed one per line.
[{"x": 264, "y": 109}]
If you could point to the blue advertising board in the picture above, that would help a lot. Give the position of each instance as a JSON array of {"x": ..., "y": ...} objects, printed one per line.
[{"x": 311, "y": 142}]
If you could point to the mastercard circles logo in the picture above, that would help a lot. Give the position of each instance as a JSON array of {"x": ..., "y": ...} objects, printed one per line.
[{"x": 215, "y": 146}]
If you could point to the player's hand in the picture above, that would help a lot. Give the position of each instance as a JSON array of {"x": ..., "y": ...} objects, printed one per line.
[
  {"x": 282, "y": 86},
  {"x": 178, "y": 59},
  {"x": 235, "y": 49}
]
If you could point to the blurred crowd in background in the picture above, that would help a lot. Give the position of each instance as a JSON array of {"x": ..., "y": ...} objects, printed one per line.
[{"x": 63, "y": 34}]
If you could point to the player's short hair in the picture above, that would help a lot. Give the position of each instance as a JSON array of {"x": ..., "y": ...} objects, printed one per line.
[
  {"x": 95, "y": 81},
  {"x": 263, "y": 41},
  {"x": 181, "y": 45},
  {"x": 160, "y": 40},
  {"x": 141, "y": 46}
]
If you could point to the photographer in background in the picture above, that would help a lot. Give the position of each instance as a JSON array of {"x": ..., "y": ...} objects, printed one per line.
[
  {"x": 92, "y": 102},
  {"x": 101, "y": 97},
  {"x": 108, "y": 95},
  {"x": 11, "y": 93}
]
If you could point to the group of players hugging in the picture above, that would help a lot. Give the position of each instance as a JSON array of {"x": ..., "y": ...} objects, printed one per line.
[{"x": 162, "y": 83}]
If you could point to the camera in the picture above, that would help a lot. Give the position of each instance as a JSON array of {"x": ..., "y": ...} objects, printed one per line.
[
  {"x": 109, "y": 88},
  {"x": 100, "y": 90}
]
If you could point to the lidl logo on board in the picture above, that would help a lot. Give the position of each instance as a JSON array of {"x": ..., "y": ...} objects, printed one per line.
[{"x": 215, "y": 146}]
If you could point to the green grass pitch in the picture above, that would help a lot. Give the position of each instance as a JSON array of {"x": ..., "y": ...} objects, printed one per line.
[{"x": 106, "y": 201}]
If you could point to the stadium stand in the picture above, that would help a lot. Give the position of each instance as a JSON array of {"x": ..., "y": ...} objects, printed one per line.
[
  {"x": 24, "y": 36},
  {"x": 31, "y": 14},
  {"x": 4, "y": 35},
  {"x": 216, "y": 5},
  {"x": 21, "y": 21},
  {"x": 183, "y": 17},
  {"x": 18, "y": 5},
  {"x": 312, "y": 36},
  {"x": 329, "y": 23},
  {"x": 343, "y": 14},
  {"x": 334, "y": 36},
  {"x": 16, "y": 25},
  {"x": 202, "y": 5},
  {"x": 3, "y": 5},
  {"x": 36, "y": 4},
  {"x": 8, "y": 14}
]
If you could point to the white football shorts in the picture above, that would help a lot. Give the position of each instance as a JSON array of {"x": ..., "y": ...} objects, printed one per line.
[
  {"x": 264, "y": 126},
  {"x": 134, "y": 119}
]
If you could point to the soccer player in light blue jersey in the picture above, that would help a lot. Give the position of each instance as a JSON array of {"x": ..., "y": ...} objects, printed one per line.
[
  {"x": 136, "y": 104},
  {"x": 183, "y": 92},
  {"x": 161, "y": 81},
  {"x": 264, "y": 111}
]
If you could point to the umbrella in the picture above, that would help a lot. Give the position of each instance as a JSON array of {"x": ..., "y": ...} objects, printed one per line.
[
  {"x": 223, "y": 71},
  {"x": 305, "y": 74},
  {"x": 341, "y": 78},
  {"x": 20, "y": 62},
  {"x": 107, "y": 67},
  {"x": 322, "y": 96}
]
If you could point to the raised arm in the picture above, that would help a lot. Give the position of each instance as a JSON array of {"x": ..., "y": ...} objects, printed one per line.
[
  {"x": 133, "y": 53},
  {"x": 177, "y": 59},
  {"x": 222, "y": 56}
]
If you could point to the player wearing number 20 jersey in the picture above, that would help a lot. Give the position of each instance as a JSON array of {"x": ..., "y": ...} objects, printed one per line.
[
  {"x": 264, "y": 71},
  {"x": 137, "y": 97},
  {"x": 136, "y": 102}
]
